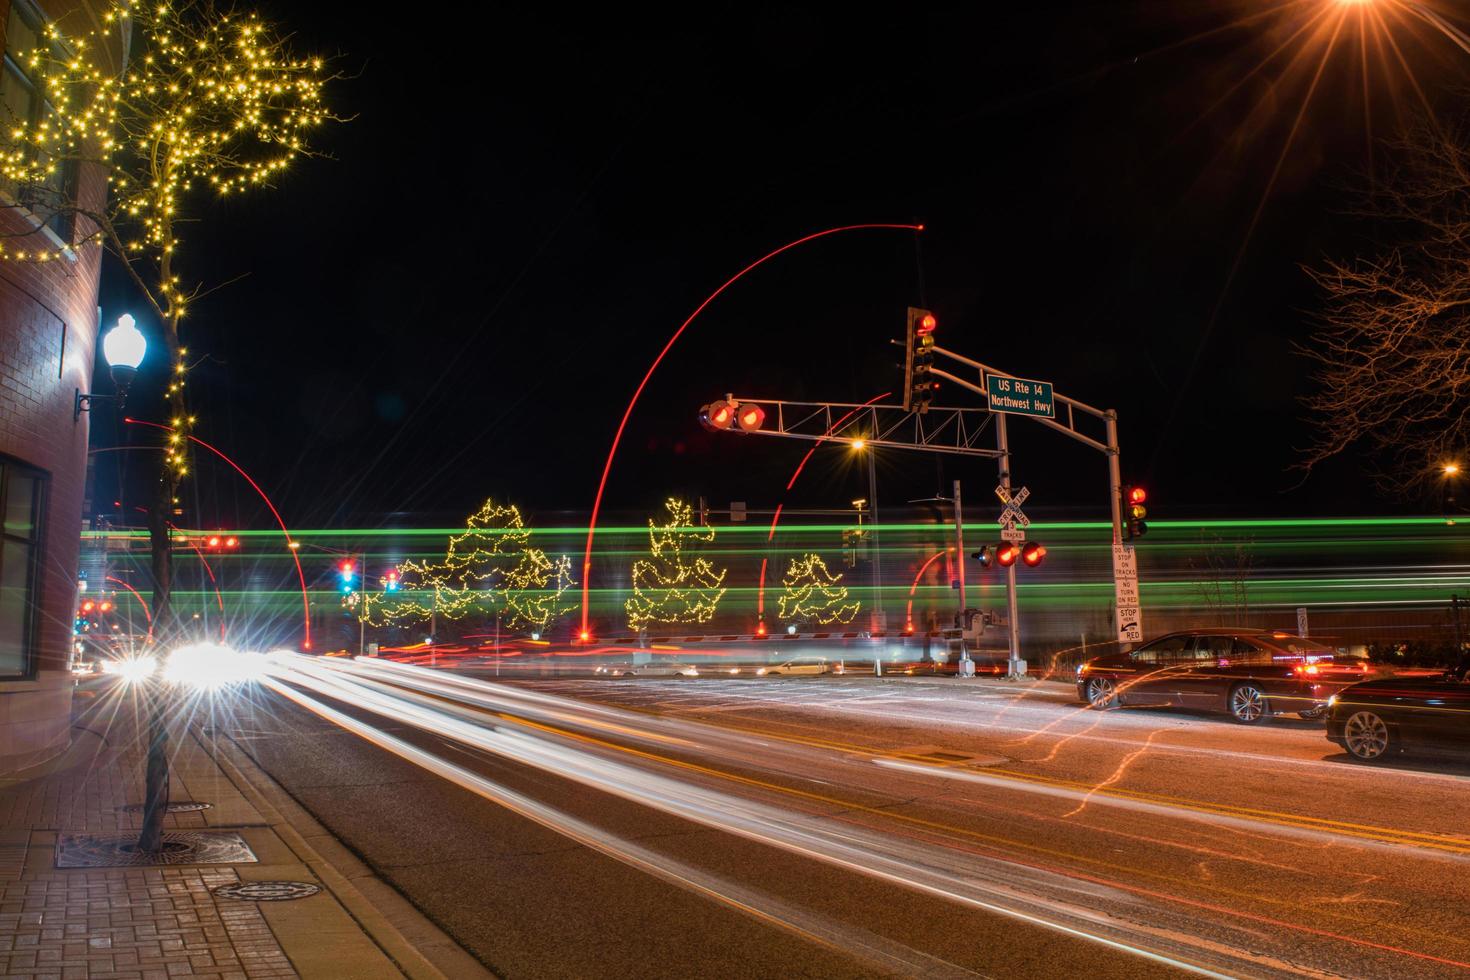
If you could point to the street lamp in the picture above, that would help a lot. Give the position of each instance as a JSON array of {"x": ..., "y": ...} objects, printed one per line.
[{"x": 123, "y": 348}]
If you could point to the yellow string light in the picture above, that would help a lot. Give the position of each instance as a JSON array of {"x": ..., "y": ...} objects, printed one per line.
[
  {"x": 490, "y": 569},
  {"x": 811, "y": 593},
  {"x": 667, "y": 588}
]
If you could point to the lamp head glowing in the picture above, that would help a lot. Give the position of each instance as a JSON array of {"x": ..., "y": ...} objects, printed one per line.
[
  {"x": 124, "y": 345},
  {"x": 858, "y": 444},
  {"x": 1452, "y": 469}
]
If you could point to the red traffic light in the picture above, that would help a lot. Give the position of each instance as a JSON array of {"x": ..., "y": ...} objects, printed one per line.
[
  {"x": 1137, "y": 495},
  {"x": 926, "y": 325},
  {"x": 750, "y": 417},
  {"x": 1033, "y": 553},
  {"x": 1006, "y": 554}
]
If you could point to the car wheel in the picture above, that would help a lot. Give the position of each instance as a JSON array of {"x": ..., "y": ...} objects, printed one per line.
[
  {"x": 1366, "y": 736},
  {"x": 1101, "y": 693},
  {"x": 1247, "y": 704}
]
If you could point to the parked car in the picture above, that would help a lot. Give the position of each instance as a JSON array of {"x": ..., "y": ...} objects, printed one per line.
[
  {"x": 798, "y": 665},
  {"x": 1377, "y": 719},
  {"x": 1246, "y": 674}
]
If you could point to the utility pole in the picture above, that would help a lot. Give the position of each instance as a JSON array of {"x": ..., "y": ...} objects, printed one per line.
[
  {"x": 967, "y": 666},
  {"x": 874, "y": 551},
  {"x": 361, "y": 620},
  {"x": 1013, "y": 620}
]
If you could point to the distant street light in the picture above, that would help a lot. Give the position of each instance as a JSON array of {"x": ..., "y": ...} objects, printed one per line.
[
  {"x": 123, "y": 348},
  {"x": 1451, "y": 469}
]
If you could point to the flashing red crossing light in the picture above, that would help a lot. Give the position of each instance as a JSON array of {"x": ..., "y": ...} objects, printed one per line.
[
  {"x": 212, "y": 541},
  {"x": 232, "y": 542},
  {"x": 718, "y": 416},
  {"x": 750, "y": 417},
  {"x": 1033, "y": 553},
  {"x": 1006, "y": 554}
]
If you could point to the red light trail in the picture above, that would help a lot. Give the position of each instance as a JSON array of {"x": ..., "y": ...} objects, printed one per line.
[
  {"x": 585, "y": 632},
  {"x": 301, "y": 577}
]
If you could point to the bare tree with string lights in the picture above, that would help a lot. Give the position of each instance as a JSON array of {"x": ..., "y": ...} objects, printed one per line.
[
  {"x": 179, "y": 106},
  {"x": 1392, "y": 343}
]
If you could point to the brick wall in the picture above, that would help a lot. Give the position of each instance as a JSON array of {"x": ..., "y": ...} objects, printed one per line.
[{"x": 48, "y": 331}]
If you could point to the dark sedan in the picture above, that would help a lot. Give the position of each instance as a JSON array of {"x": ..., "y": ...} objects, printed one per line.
[
  {"x": 1246, "y": 674},
  {"x": 1377, "y": 719}
]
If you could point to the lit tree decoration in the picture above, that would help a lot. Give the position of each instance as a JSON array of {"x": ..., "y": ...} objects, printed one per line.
[
  {"x": 668, "y": 587},
  {"x": 491, "y": 569},
  {"x": 811, "y": 593}
]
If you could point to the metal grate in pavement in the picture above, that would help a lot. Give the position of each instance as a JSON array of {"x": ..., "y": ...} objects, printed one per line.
[
  {"x": 179, "y": 847},
  {"x": 183, "y": 806},
  {"x": 267, "y": 891}
]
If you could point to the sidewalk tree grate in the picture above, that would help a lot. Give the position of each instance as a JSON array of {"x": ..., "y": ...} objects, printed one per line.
[
  {"x": 183, "y": 806},
  {"x": 179, "y": 847},
  {"x": 267, "y": 891}
]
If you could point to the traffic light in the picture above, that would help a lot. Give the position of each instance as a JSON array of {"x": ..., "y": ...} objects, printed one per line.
[
  {"x": 1134, "y": 512},
  {"x": 346, "y": 570},
  {"x": 390, "y": 581},
  {"x": 1032, "y": 554},
  {"x": 719, "y": 416},
  {"x": 918, "y": 383},
  {"x": 1006, "y": 554},
  {"x": 983, "y": 556}
]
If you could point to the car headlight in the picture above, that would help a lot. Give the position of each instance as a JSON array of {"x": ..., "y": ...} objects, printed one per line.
[
  {"x": 1331, "y": 701},
  {"x": 760, "y": 670}
]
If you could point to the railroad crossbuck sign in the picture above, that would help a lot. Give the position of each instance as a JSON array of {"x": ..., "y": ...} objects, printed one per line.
[{"x": 1012, "y": 521}]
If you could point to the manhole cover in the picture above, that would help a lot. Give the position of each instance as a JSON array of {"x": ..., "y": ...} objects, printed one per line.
[
  {"x": 267, "y": 891},
  {"x": 183, "y": 806},
  {"x": 179, "y": 847}
]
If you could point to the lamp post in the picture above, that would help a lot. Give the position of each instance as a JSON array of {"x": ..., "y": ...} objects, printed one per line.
[
  {"x": 1451, "y": 473},
  {"x": 861, "y": 445}
]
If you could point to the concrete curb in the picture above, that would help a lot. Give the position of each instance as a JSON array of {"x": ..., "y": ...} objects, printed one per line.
[{"x": 415, "y": 945}]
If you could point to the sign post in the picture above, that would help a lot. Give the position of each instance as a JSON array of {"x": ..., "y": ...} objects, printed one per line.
[{"x": 1125, "y": 594}]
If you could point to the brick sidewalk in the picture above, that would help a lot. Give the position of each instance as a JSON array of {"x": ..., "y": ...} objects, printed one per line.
[{"x": 121, "y": 922}]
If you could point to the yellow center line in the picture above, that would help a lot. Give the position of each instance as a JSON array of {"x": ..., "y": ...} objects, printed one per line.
[
  {"x": 1248, "y": 899},
  {"x": 1442, "y": 842}
]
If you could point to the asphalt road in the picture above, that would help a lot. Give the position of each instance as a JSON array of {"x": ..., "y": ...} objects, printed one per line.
[{"x": 855, "y": 827}]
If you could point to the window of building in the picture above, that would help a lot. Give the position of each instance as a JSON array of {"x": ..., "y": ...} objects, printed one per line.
[
  {"x": 21, "y": 98},
  {"x": 22, "y": 492}
]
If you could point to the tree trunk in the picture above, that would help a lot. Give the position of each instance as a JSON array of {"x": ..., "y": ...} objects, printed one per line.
[{"x": 155, "y": 800}]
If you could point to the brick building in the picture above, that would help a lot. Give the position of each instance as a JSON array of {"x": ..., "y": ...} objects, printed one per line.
[{"x": 48, "y": 332}]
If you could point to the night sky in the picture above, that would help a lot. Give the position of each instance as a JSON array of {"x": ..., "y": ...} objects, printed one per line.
[{"x": 527, "y": 204}]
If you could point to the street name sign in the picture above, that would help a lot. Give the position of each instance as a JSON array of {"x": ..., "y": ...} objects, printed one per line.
[
  {"x": 1125, "y": 594},
  {"x": 1019, "y": 396}
]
